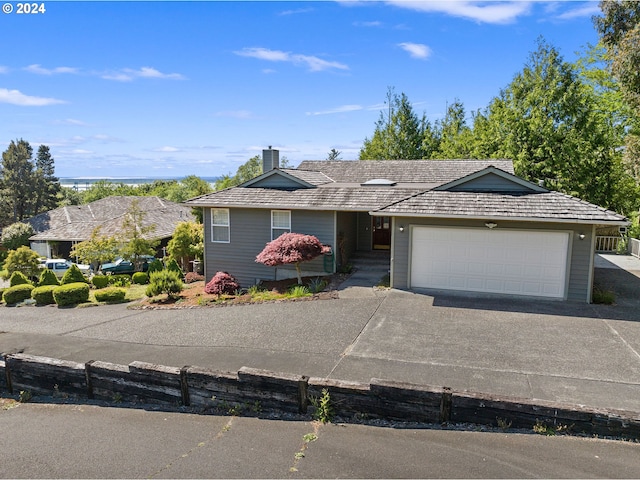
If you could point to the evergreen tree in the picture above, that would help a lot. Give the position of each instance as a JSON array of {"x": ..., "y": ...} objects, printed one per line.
[
  {"x": 399, "y": 133},
  {"x": 46, "y": 183},
  {"x": 18, "y": 189}
]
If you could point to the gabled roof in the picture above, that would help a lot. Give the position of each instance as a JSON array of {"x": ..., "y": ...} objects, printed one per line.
[
  {"x": 434, "y": 172},
  {"x": 527, "y": 206},
  {"x": 277, "y": 178},
  {"x": 338, "y": 185},
  {"x": 77, "y": 222},
  {"x": 490, "y": 179}
]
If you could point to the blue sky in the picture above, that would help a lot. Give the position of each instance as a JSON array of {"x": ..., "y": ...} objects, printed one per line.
[{"x": 169, "y": 89}]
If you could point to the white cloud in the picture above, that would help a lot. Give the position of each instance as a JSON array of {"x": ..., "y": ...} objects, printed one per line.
[
  {"x": 4, "y": 69},
  {"x": 72, "y": 122},
  {"x": 586, "y": 10},
  {"x": 341, "y": 109},
  {"x": 128, "y": 74},
  {"x": 314, "y": 64},
  {"x": 241, "y": 114},
  {"x": 296, "y": 11},
  {"x": 166, "y": 149},
  {"x": 416, "y": 50},
  {"x": 39, "y": 70},
  {"x": 484, "y": 12},
  {"x": 15, "y": 97},
  {"x": 367, "y": 24}
]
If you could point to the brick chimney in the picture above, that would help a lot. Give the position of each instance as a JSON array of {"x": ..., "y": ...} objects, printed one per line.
[{"x": 270, "y": 159}]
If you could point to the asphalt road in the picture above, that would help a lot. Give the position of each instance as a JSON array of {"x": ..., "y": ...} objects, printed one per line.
[{"x": 86, "y": 441}]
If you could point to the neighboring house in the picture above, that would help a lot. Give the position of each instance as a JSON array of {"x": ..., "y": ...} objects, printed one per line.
[
  {"x": 469, "y": 225},
  {"x": 58, "y": 230}
]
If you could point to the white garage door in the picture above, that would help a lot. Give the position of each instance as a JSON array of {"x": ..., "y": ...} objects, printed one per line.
[{"x": 496, "y": 261}]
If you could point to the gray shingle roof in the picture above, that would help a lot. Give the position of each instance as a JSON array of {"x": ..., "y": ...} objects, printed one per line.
[
  {"x": 312, "y": 177},
  {"x": 325, "y": 198},
  {"x": 76, "y": 222},
  {"x": 402, "y": 171},
  {"x": 540, "y": 206}
]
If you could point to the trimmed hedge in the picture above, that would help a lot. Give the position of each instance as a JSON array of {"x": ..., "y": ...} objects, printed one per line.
[
  {"x": 18, "y": 278},
  {"x": 140, "y": 278},
  {"x": 111, "y": 295},
  {"x": 100, "y": 281},
  {"x": 71, "y": 294},
  {"x": 43, "y": 295},
  {"x": 17, "y": 294},
  {"x": 47, "y": 277},
  {"x": 73, "y": 275}
]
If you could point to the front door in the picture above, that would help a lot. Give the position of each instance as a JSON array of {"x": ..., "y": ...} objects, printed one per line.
[{"x": 381, "y": 233}]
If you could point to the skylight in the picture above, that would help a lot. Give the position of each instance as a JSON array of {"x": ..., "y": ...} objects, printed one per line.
[{"x": 379, "y": 182}]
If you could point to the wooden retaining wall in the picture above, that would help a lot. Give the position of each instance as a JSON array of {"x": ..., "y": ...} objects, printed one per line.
[{"x": 262, "y": 390}]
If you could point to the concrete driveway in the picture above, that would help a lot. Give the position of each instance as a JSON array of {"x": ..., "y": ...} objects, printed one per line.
[{"x": 575, "y": 353}]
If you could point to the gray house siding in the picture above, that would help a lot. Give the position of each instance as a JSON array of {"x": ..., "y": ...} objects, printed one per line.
[
  {"x": 578, "y": 272},
  {"x": 276, "y": 181},
  {"x": 250, "y": 231},
  {"x": 365, "y": 242},
  {"x": 347, "y": 237},
  {"x": 488, "y": 182}
]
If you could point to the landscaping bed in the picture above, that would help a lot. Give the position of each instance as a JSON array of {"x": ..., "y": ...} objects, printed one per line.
[{"x": 194, "y": 296}]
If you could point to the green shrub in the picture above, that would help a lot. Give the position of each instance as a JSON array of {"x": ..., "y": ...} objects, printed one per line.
[
  {"x": 71, "y": 294},
  {"x": 111, "y": 295},
  {"x": 1, "y": 293},
  {"x": 165, "y": 281},
  {"x": 140, "y": 278},
  {"x": 17, "y": 294},
  {"x": 73, "y": 275},
  {"x": 605, "y": 297},
  {"x": 47, "y": 277},
  {"x": 155, "y": 266},
  {"x": 18, "y": 278},
  {"x": 122, "y": 280},
  {"x": 43, "y": 295},
  {"x": 100, "y": 281},
  {"x": 173, "y": 266}
]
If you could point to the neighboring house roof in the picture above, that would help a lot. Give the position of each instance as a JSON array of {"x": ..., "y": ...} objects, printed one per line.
[{"x": 77, "y": 222}]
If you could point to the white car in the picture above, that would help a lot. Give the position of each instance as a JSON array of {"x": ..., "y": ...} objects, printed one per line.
[{"x": 59, "y": 266}]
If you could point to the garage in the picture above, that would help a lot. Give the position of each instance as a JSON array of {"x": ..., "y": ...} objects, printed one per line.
[{"x": 513, "y": 262}]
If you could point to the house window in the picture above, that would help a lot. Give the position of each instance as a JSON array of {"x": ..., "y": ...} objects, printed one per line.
[
  {"x": 220, "y": 225},
  {"x": 280, "y": 223}
]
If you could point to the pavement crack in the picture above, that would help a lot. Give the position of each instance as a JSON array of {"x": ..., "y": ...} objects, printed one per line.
[
  {"x": 347, "y": 351},
  {"x": 307, "y": 439},
  {"x": 200, "y": 445}
]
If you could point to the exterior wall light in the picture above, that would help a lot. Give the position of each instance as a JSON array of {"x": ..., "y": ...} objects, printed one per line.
[
  {"x": 401, "y": 228},
  {"x": 490, "y": 225},
  {"x": 581, "y": 236}
]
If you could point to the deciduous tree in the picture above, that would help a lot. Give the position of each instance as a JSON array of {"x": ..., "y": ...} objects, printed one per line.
[{"x": 292, "y": 248}]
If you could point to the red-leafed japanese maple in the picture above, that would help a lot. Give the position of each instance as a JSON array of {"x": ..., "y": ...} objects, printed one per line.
[
  {"x": 291, "y": 248},
  {"x": 222, "y": 283}
]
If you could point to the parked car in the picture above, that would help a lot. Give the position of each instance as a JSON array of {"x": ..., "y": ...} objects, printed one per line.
[
  {"x": 126, "y": 266},
  {"x": 59, "y": 266}
]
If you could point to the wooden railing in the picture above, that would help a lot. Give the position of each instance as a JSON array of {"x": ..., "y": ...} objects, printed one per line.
[
  {"x": 634, "y": 247},
  {"x": 608, "y": 243}
]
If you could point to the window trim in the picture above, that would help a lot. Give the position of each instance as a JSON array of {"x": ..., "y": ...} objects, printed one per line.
[
  {"x": 226, "y": 225},
  {"x": 280, "y": 228}
]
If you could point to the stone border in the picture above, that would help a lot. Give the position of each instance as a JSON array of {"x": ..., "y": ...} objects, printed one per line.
[{"x": 280, "y": 392}]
